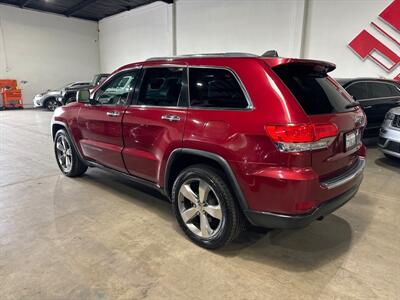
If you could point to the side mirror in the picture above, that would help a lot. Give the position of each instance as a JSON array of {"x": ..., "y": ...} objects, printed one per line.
[{"x": 83, "y": 96}]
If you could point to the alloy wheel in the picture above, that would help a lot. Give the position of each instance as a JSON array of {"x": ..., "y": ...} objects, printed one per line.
[
  {"x": 52, "y": 105},
  {"x": 200, "y": 208},
  {"x": 64, "y": 153}
]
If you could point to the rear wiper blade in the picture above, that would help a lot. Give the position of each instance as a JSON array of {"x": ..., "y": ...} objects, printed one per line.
[{"x": 353, "y": 104}]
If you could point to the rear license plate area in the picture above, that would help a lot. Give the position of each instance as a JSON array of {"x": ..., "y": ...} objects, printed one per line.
[{"x": 352, "y": 139}]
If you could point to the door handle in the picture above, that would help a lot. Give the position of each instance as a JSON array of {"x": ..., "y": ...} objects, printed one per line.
[
  {"x": 366, "y": 107},
  {"x": 171, "y": 118},
  {"x": 113, "y": 113}
]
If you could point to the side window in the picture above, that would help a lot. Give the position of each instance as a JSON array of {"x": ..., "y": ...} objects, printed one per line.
[
  {"x": 116, "y": 91},
  {"x": 215, "y": 88},
  {"x": 358, "y": 90},
  {"x": 379, "y": 90},
  {"x": 394, "y": 90},
  {"x": 161, "y": 86}
]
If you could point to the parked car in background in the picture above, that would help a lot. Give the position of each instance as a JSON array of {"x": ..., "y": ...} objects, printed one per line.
[
  {"x": 48, "y": 99},
  {"x": 230, "y": 139},
  {"x": 376, "y": 97},
  {"x": 389, "y": 136},
  {"x": 68, "y": 94}
]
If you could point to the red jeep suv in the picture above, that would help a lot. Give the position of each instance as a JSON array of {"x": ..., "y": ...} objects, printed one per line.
[{"x": 230, "y": 139}]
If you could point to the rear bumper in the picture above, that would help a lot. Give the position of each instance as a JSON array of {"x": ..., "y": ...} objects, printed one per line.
[
  {"x": 346, "y": 177},
  {"x": 275, "y": 220}
]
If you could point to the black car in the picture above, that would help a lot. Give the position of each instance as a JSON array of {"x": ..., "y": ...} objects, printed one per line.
[
  {"x": 68, "y": 94},
  {"x": 376, "y": 97}
]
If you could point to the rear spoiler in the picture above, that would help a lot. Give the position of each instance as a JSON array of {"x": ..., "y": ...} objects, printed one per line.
[{"x": 323, "y": 66}]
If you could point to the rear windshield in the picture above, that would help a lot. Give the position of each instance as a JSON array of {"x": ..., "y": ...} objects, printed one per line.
[{"x": 313, "y": 89}]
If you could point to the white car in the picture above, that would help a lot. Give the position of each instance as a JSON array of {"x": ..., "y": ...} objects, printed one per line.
[
  {"x": 49, "y": 99},
  {"x": 389, "y": 136}
]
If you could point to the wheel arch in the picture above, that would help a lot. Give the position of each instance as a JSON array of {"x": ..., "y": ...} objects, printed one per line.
[
  {"x": 56, "y": 126},
  {"x": 184, "y": 157}
]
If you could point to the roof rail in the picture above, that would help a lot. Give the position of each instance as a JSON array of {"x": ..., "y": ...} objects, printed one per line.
[{"x": 227, "y": 54}]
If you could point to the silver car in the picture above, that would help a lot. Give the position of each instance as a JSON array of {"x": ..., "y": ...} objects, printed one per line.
[
  {"x": 389, "y": 136},
  {"x": 48, "y": 99}
]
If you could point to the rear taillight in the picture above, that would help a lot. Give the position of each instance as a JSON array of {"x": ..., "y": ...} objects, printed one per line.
[{"x": 302, "y": 137}]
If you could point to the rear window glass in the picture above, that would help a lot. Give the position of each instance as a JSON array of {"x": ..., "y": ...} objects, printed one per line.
[{"x": 313, "y": 89}]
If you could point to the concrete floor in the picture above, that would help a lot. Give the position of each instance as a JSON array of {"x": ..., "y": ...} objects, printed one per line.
[{"x": 102, "y": 237}]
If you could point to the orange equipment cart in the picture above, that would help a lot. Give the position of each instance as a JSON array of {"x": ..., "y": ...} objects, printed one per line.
[{"x": 10, "y": 94}]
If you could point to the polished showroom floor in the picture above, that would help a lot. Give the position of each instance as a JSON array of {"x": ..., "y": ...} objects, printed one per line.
[{"x": 102, "y": 237}]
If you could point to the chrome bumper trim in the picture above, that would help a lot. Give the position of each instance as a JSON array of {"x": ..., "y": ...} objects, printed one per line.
[{"x": 347, "y": 176}]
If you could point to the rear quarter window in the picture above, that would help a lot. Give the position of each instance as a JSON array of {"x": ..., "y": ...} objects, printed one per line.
[
  {"x": 379, "y": 90},
  {"x": 313, "y": 89},
  {"x": 395, "y": 90},
  {"x": 215, "y": 88},
  {"x": 358, "y": 90}
]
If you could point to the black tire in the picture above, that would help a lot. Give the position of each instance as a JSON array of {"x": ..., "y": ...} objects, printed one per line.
[
  {"x": 78, "y": 167},
  {"x": 51, "y": 104},
  {"x": 232, "y": 221}
]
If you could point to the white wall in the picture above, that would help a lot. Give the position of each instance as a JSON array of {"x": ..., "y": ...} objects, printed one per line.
[
  {"x": 46, "y": 50},
  {"x": 248, "y": 26},
  {"x": 136, "y": 35},
  {"x": 202, "y": 26},
  {"x": 49, "y": 50},
  {"x": 253, "y": 26},
  {"x": 332, "y": 25}
]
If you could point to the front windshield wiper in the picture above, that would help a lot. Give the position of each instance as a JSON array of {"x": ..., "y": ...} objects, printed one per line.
[{"x": 353, "y": 104}]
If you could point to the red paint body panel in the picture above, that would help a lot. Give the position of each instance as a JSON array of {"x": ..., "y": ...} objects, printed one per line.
[
  {"x": 101, "y": 135},
  {"x": 140, "y": 142},
  {"x": 149, "y": 140}
]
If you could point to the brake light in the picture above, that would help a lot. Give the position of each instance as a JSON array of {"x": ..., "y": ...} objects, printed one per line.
[
  {"x": 325, "y": 131},
  {"x": 302, "y": 137},
  {"x": 291, "y": 133}
]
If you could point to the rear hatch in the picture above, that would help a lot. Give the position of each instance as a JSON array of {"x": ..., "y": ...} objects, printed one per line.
[{"x": 326, "y": 102}]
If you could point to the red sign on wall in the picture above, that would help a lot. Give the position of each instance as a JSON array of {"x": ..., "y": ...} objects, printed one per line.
[{"x": 367, "y": 46}]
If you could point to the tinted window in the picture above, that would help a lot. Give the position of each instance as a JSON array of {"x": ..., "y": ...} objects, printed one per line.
[
  {"x": 358, "y": 90},
  {"x": 116, "y": 91},
  {"x": 394, "y": 90},
  {"x": 313, "y": 89},
  {"x": 379, "y": 90},
  {"x": 161, "y": 86},
  {"x": 215, "y": 88}
]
